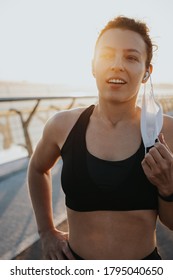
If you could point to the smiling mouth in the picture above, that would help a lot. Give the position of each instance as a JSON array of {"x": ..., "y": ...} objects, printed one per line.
[{"x": 116, "y": 81}]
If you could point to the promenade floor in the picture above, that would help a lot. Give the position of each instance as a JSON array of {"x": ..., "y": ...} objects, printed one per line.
[{"x": 17, "y": 222}]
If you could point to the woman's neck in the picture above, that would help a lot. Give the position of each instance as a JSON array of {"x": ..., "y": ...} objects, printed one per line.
[{"x": 113, "y": 113}]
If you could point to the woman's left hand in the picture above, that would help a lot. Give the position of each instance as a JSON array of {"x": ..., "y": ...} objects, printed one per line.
[{"x": 158, "y": 167}]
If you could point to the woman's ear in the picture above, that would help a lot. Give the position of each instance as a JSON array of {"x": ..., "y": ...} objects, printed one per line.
[{"x": 147, "y": 74}]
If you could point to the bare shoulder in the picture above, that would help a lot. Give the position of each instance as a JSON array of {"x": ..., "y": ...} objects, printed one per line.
[
  {"x": 66, "y": 119},
  {"x": 54, "y": 135},
  {"x": 168, "y": 130},
  {"x": 61, "y": 124},
  {"x": 67, "y": 115}
]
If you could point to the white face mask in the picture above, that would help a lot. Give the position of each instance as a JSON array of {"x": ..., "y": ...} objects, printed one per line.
[{"x": 151, "y": 119}]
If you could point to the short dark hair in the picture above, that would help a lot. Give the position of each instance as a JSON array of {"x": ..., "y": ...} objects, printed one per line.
[{"x": 137, "y": 26}]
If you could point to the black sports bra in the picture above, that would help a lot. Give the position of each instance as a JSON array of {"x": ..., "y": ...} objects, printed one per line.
[{"x": 92, "y": 184}]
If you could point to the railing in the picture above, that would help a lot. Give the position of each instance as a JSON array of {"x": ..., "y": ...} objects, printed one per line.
[
  {"x": 26, "y": 114},
  {"x": 22, "y": 114}
]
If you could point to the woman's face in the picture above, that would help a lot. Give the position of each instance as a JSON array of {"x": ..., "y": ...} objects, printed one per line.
[{"x": 119, "y": 64}]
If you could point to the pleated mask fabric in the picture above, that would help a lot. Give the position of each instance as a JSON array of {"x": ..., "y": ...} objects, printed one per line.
[{"x": 151, "y": 118}]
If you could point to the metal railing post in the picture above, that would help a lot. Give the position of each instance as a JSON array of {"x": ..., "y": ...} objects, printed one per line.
[{"x": 25, "y": 124}]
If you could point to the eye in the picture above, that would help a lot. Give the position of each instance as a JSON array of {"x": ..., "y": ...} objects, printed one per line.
[{"x": 132, "y": 58}]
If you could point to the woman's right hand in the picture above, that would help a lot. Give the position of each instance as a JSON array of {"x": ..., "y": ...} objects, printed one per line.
[{"x": 55, "y": 245}]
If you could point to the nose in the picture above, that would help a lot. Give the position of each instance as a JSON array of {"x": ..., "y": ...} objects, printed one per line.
[{"x": 117, "y": 64}]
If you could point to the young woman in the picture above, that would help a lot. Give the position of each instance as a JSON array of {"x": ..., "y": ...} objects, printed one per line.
[{"x": 114, "y": 191}]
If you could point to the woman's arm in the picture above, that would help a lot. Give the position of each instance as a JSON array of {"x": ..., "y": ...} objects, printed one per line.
[{"x": 46, "y": 154}]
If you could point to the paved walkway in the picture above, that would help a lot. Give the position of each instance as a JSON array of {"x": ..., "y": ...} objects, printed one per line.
[
  {"x": 17, "y": 222},
  {"x": 18, "y": 231}
]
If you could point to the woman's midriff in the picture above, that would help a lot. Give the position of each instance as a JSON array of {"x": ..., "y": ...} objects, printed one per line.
[{"x": 112, "y": 234}]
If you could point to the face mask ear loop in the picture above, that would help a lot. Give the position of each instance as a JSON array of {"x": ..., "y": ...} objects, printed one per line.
[
  {"x": 152, "y": 94},
  {"x": 152, "y": 90},
  {"x": 144, "y": 97}
]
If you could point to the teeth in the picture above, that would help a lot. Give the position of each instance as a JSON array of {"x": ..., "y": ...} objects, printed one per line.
[{"x": 116, "y": 81}]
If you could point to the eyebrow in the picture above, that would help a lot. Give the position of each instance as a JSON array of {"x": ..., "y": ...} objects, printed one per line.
[
  {"x": 125, "y": 50},
  {"x": 132, "y": 50}
]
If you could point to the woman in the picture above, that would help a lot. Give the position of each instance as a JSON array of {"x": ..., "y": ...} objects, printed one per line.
[{"x": 114, "y": 191}]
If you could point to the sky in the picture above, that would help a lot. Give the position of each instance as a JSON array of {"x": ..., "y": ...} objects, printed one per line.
[{"x": 52, "y": 41}]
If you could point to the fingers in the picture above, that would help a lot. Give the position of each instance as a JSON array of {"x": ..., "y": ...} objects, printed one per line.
[
  {"x": 68, "y": 253},
  {"x": 55, "y": 256},
  {"x": 162, "y": 146},
  {"x": 153, "y": 159},
  {"x": 158, "y": 155},
  {"x": 158, "y": 164},
  {"x": 60, "y": 254},
  {"x": 55, "y": 246},
  {"x": 156, "y": 161}
]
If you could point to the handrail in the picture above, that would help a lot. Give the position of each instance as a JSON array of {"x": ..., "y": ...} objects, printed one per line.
[{"x": 7, "y": 99}]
